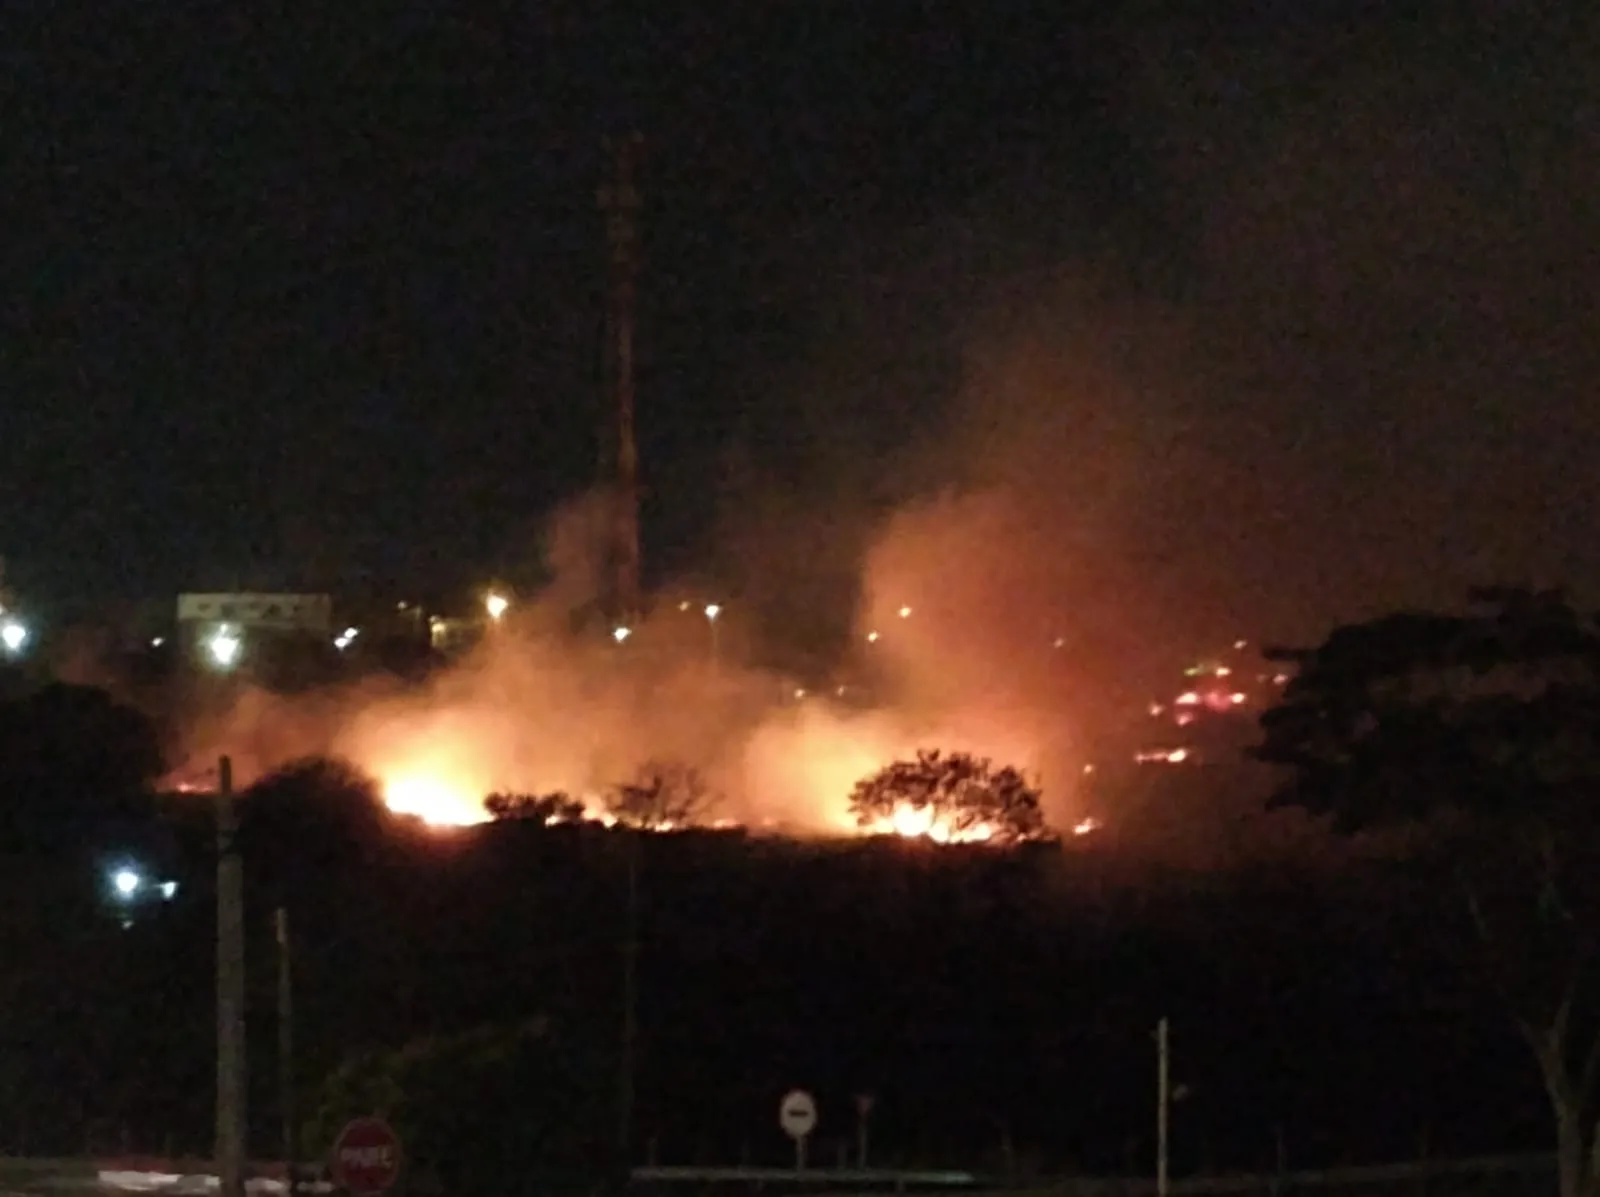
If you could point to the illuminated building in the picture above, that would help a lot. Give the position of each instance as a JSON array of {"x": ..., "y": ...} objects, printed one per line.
[{"x": 218, "y": 629}]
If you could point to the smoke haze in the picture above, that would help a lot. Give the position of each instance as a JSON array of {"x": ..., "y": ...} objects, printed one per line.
[{"x": 1360, "y": 377}]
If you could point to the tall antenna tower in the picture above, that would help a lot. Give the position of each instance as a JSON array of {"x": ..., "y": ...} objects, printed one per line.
[{"x": 619, "y": 201}]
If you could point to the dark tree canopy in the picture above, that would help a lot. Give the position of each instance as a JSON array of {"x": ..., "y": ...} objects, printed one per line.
[
  {"x": 316, "y": 811},
  {"x": 958, "y": 792},
  {"x": 1492, "y": 713},
  {"x": 478, "y": 1107},
  {"x": 1481, "y": 730},
  {"x": 71, "y": 756}
]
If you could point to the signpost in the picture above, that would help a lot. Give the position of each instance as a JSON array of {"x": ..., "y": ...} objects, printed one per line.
[
  {"x": 864, "y": 1104},
  {"x": 797, "y": 1115},
  {"x": 366, "y": 1157}
]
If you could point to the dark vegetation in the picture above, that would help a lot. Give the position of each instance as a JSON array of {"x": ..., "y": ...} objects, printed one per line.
[
  {"x": 999, "y": 1004},
  {"x": 958, "y": 790},
  {"x": 1480, "y": 734}
]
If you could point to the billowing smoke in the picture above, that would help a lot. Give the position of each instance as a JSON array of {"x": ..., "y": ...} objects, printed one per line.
[
  {"x": 537, "y": 708},
  {"x": 1007, "y": 613}
]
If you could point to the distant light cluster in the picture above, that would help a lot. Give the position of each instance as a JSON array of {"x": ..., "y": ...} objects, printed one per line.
[{"x": 1215, "y": 694}]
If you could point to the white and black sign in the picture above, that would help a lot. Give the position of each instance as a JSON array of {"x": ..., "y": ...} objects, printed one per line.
[{"x": 797, "y": 1114}]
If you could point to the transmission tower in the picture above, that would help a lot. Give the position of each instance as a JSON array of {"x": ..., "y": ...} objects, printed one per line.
[{"x": 619, "y": 202}]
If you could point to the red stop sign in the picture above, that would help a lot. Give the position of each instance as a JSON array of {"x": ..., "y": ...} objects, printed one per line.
[{"x": 366, "y": 1157}]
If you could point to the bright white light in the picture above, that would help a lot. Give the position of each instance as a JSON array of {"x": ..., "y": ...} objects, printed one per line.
[
  {"x": 13, "y": 635},
  {"x": 158, "y": 642},
  {"x": 621, "y": 634},
  {"x": 126, "y": 882},
  {"x": 905, "y": 612},
  {"x": 496, "y": 605},
  {"x": 872, "y": 637},
  {"x": 224, "y": 648},
  {"x": 169, "y": 890},
  {"x": 712, "y": 611}
]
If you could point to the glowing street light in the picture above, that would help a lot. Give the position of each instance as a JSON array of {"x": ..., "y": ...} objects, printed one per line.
[
  {"x": 13, "y": 636},
  {"x": 224, "y": 648},
  {"x": 128, "y": 884},
  {"x": 621, "y": 634},
  {"x": 872, "y": 637},
  {"x": 905, "y": 612},
  {"x": 496, "y": 605}
]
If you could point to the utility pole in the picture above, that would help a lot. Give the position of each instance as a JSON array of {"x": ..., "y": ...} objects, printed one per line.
[
  {"x": 286, "y": 1102},
  {"x": 619, "y": 201},
  {"x": 630, "y": 1001},
  {"x": 231, "y": 1082},
  {"x": 1163, "y": 1104}
]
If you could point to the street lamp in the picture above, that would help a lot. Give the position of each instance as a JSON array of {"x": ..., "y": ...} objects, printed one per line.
[
  {"x": 224, "y": 648},
  {"x": 13, "y": 636},
  {"x": 496, "y": 605},
  {"x": 621, "y": 634},
  {"x": 126, "y": 882}
]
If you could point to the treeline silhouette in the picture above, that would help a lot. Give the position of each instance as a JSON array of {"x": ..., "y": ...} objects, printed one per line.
[{"x": 998, "y": 1004}]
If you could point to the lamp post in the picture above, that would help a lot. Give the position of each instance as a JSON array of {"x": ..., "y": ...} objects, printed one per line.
[
  {"x": 231, "y": 1084},
  {"x": 713, "y": 610},
  {"x": 1163, "y": 1105}
]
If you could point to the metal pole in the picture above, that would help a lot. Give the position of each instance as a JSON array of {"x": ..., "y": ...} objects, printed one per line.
[
  {"x": 231, "y": 1083},
  {"x": 800, "y": 1153},
  {"x": 286, "y": 1102},
  {"x": 630, "y": 1001},
  {"x": 864, "y": 1103},
  {"x": 620, "y": 203},
  {"x": 1163, "y": 1106}
]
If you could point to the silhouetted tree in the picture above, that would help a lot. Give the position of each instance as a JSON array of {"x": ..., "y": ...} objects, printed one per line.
[
  {"x": 500, "y": 1107},
  {"x": 1483, "y": 731},
  {"x": 960, "y": 793},
  {"x": 662, "y": 795},
  {"x": 558, "y": 807},
  {"x": 71, "y": 756},
  {"x": 318, "y": 810}
]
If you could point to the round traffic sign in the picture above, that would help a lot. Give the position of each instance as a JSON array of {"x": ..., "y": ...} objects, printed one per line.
[
  {"x": 797, "y": 1114},
  {"x": 366, "y": 1157}
]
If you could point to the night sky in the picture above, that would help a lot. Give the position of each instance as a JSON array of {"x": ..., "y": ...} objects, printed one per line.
[{"x": 319, "y": 298}]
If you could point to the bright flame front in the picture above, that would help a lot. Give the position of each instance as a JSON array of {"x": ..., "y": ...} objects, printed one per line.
[
  {"x": 912, "y": 822},
  {"x": 434, "y": 799}
]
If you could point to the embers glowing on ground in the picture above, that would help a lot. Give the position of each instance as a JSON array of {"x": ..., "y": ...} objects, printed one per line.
[{"x": 440, "y": 803}]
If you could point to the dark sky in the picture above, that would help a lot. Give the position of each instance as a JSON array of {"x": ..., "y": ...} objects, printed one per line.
[{"x": 321, "y": 293}]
